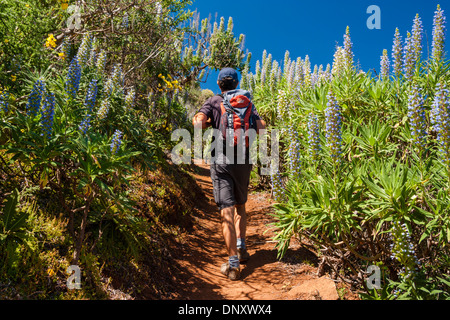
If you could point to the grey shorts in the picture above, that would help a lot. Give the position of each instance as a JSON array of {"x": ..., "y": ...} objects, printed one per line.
[{"x": 230, "y": 184}]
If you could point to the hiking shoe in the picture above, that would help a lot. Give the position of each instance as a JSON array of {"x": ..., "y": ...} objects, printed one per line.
[
  {"x": 232, "y": 273},
  {"x": 243, "y": 255}
]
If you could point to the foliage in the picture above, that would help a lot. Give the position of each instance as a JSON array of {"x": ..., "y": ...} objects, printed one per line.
[
  {"x": 89, "y": 95},
  {"x": 373, "y": 185},
  {"x": 23, "y": 32}
]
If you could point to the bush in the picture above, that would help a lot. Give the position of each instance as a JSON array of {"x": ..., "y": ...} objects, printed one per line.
[
  {"x": 86, "y": 111},
  {"x": 364, "y": 177}
]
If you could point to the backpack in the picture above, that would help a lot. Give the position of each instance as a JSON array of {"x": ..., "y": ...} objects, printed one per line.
[{"x": 237, "y": 112}]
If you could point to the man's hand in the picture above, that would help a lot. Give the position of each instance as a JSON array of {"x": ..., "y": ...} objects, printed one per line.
[{"x": 201, "y": 121}]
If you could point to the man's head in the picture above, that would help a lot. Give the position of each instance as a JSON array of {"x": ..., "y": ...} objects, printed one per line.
[{"x": 227, "y": 79}]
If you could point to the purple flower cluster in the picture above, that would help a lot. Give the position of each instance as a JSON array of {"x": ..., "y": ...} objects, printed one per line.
[
  {"x": 283, "y": 104},
  {"x": 129, "y": 99},
  {"x": 417, "y": 119},
  {"x": 266, "y": 68},
  {"x": 307, "y": 72},
  {"x": 278, "y": 191},
  {"x": 440, "y": 115},
  {"x": 89, "y": 103},
  {"x": 47, "y": 114},
  {"x": 104, "y": 109},
  {"x": 93, "y": 55},
  {"x": 408, "y": 57},
  {"x": 405, "y": 58},
  {"x": 417, "y": 36},
  {"x": 287, "y": 62},
  {"x": 73, "y": 78},
  {"x": 348, "y": 50},
  {"x": 91, "y": 95},
  {"x": 402, "y": 250},
  {"x": 333, "y": 121},
  {"x": 85, "y": 124},
  {"x": 338, "y": 62},
  {"x": 116, "y": 141},
  {"x": 117, "y": 77},
  {"x": 397, "y": 54},
  {"x": 84, "y": 50},
  {"x": 294, "y": 152},
  {"x": 35, "y": 98},
  {"x": 4, "y": 101},
  {"x": 384, "y": 66},
  {"x": 125, "y": 21},
  {"x": 101, "y": 61},
  {"x": 299, "y": 75},
  {"x": 273, "y": 75},
  {"x": 66, "y": 47},
  {"x": 439, "y": 30},
  {"x": 314, "y": 146}
]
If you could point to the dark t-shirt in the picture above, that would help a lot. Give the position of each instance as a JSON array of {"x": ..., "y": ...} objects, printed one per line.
[{"x": 211, "y": 108}]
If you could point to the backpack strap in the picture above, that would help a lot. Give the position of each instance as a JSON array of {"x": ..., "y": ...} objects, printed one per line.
[{"x": 226, "y": 108}]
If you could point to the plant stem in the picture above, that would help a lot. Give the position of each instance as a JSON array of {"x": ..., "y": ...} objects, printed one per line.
[{"x": 77, "y": 252}]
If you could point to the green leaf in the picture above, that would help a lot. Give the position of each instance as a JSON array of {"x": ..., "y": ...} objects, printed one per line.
[{"x": 10, "y": 209}]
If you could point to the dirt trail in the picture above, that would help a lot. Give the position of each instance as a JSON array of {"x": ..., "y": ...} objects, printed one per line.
[{"x": 263, "y": 277}]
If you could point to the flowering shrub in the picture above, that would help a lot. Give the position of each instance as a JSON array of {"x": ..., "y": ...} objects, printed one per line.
[
  {"x": 439, "y": 114},
  {"x": 85, "y": 108},
  {"x": 65, "y": 146},
  {"x": 374, "y": 183}
]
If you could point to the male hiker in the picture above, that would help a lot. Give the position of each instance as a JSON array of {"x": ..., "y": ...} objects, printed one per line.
[{"x": 232, "y": 109}]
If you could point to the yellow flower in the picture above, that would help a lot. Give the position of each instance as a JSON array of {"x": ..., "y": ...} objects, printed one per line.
[
  {"x": 50, "y": 272},
  {"x": 62, "y": 55},
  {"x": 13, "y": 78},
  {"x": 51, "y": 42},
  {"x": 64, "y": 5},
  {"x": 6, "y": 40},
  {"x": 27, "y": 5}
]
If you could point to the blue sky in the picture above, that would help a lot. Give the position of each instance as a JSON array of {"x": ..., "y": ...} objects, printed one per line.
[{"x": 315, "y": 27}]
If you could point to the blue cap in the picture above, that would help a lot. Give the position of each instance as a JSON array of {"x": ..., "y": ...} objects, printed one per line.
[{"x": 228, "y": 73}]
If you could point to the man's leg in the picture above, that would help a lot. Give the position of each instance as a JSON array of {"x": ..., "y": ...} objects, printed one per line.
[
  {"x": 231, "y": 268},
  {"x": 240, "y": 221},
  {"x": 229, "y": 230},
  {"x": 241, "y": 177}
]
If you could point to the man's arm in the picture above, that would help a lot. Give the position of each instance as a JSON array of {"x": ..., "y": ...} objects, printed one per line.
[{"x": 260, "y": 125}]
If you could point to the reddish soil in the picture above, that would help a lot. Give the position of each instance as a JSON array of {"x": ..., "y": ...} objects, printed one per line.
[{"x": 264, "y": 277}]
